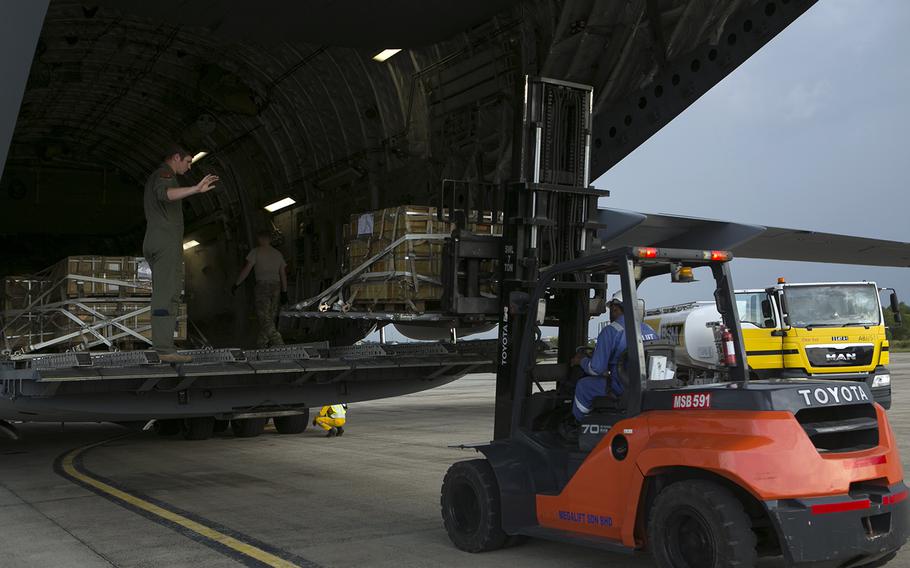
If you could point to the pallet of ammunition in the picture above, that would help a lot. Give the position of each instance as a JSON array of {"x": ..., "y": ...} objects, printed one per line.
[
  {"x": 85, "y": 323},
  {"x": 407, "y": 277},
  {"x": 19, "y": 292},
  {"x": 81, "y": 302},
  {"x": 89, "y": 276}
]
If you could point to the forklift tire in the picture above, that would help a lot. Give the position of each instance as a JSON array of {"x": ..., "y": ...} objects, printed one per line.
[
  {"x": 200, "y": 428},
  {"x": 700, "y": 524},
  {"x": 471, "y": 508},
  {"x": 221, "y": 426},
  {"x": 248, "y": 427},
  {"x": 880, "y": 562},
  {"x": 295, "y": 424},
  {"x": 167, "y": 427}
]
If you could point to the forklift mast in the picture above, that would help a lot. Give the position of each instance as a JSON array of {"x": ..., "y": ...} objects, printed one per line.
[{"x": 549, "y": 217}]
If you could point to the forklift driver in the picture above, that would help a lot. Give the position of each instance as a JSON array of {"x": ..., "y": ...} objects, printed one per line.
[{"x": 602, "y": 365}]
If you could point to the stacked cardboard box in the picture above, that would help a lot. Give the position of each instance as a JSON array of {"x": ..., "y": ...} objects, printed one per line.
[
  {"x": 57, "y": 306},
  {"x": 409, "y": 277}
]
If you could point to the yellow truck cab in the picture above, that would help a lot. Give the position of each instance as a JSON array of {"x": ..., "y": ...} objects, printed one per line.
[{"x": 831, "y": 330}]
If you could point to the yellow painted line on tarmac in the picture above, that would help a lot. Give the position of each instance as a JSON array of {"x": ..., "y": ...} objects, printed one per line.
[{"x": 249, "y": 551}]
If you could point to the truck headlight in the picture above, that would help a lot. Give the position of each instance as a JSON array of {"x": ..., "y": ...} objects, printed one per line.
[{"x": 881, "y": 381}]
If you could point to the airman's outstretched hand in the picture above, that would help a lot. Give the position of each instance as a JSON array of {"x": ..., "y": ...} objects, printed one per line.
[{"x": 207, "y": 183}]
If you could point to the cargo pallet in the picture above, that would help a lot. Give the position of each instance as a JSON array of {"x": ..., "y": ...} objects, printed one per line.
[
  {"x": 333, "y": 298},
  {"x": 396, "y": 257},
  {"x": 61, "y": 309}
]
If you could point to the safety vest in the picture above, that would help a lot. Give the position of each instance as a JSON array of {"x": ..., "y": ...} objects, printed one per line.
[{"x": 338, "y": 411}]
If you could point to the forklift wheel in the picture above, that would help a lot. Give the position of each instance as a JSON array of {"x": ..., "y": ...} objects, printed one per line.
[
  {"x": 880, "y": 562},
  {"x": 200, "y": 428},
  {"x": 471, "y": 507},
  {"x": 294, "y": 424},
  {"x": 700, "y": 524},
  {"x": 248, "y": 427}
]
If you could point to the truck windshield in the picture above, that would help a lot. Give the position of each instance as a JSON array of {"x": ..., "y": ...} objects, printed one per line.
[{"x": 833, "y": 305}]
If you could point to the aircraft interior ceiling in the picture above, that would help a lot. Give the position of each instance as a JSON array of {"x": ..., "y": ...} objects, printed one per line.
[{"x": 288, "y": 102}]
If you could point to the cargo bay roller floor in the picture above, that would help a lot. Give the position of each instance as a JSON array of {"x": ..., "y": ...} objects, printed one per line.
[{"x": 370, "y": 498}]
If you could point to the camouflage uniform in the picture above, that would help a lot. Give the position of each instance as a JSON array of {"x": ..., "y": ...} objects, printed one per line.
[
  {"x": 269, "y": 265},
  {"x": 266, "y": 300},
  {"x": 163, "y": 248}
]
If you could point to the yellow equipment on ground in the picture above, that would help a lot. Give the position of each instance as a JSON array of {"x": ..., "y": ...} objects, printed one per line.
[{"x": 333, "y": 416}]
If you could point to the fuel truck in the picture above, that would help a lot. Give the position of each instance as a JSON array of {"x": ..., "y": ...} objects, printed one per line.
[{"x": 830, "y": 330}]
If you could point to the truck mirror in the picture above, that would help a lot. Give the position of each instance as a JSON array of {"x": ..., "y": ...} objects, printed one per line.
[
  {"x": 785, "y": 315},
  {"x": 766, "y": 309},
  {"x": 541, "y": 311}
]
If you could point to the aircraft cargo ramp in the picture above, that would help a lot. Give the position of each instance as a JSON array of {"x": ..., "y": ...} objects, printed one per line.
[{"x": 226, "y": 383}]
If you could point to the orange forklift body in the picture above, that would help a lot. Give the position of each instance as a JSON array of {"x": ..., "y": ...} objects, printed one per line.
[{"x": 766, "y": 453}]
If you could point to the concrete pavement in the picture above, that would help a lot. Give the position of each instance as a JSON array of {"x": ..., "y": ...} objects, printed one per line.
[{"x": 370, "y": 498}]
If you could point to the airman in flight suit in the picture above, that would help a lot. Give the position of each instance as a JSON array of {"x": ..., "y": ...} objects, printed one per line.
[{"x": 163, "y": 245}]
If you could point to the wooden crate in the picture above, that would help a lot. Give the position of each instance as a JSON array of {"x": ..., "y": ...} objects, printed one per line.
[
  {"x": 19, "y": 339},
  {"x": 114, "y": 309},
  {"x": 19, "y": 292},
  {"x": 394, "y": 222},
  {"x": 130, "y": 269},
  {"x": 383, "y": 288},
  {"x": 42, "y": 326},
  {"x": 424, "y": 257},
  {"x": 396, "y": 290}
]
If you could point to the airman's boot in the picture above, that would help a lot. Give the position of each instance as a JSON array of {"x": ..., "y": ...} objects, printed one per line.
[{"x": 174, "y": 358}]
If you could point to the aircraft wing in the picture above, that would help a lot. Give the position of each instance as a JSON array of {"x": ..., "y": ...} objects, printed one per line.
[{"x": 747, "y": 241}]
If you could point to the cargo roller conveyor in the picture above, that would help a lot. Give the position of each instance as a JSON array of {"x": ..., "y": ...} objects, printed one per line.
[{"x": 124, "y": 386}]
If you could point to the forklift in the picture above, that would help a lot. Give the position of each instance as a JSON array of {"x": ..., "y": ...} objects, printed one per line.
[{"x": 701, "y": 475}]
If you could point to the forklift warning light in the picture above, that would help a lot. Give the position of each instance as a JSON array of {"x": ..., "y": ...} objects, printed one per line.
[
  {"x": 647, "y": 252},
  {"x": 720, "y": 255}
]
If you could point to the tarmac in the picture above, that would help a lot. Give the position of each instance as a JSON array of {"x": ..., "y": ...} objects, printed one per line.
[{"x": 369, "y": 498}]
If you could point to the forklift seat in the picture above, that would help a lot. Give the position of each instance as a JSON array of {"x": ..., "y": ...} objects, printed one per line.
[
  {"x": 608, "y": 410},
  {"x": 544, "y": 372},
  {"x": 605, "y": 412}
]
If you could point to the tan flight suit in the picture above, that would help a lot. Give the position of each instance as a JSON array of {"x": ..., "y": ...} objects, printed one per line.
[
  {"x": 267, "y": 264},
  {"x": 163, "y": 248}
]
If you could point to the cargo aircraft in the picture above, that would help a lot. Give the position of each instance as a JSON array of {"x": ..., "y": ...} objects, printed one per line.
[{"x": 311, "y": 113}]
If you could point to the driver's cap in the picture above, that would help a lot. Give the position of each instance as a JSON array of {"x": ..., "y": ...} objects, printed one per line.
[{"x": 616, "y": 299}]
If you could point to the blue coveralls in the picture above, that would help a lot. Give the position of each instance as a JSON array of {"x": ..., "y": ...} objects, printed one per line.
[{"x": 611, "y": 343}]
